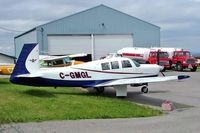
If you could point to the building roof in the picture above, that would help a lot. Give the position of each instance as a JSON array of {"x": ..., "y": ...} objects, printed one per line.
[
  {"x": 85, "y": 11},
  {"x": 8, "y": 55}
]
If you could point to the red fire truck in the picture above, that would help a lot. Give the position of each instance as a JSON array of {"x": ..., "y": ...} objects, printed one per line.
[
  {"x": 180, "y": 59},
  {"x": 146, "y": 55}
]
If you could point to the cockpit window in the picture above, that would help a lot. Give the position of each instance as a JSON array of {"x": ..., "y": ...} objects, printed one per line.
[
  {"x": 115, "y": 65},
  {"x": 136, "y": 63},
  {"x": 105, "y": 66},
  {"x": 126, "y": 64}
]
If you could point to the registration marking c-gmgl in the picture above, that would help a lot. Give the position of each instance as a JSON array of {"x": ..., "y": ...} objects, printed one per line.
[{"x": 74, "y": 75}]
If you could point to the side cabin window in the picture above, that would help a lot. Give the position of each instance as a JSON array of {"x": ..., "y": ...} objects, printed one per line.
[
  {"x": 126, "y": 64},
  {"x": 57, "y": 62},
  {"x": 114, "y": 65},
  {"x": 105, "y": 66}
]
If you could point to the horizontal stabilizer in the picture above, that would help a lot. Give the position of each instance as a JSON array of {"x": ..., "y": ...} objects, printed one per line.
[{"x": 180, "y": 77}]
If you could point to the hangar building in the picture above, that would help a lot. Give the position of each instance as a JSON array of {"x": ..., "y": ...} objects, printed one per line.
[
  {"x": 6, "y": 59},
  {"x": 96, "y": 31}
]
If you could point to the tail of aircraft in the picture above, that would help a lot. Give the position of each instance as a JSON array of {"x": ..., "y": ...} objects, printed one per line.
[{"x": 28, "y": 61}]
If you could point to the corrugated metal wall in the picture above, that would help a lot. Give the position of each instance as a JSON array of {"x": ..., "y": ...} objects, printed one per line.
[
  {"x": 29, "y": 37},
  {"x": 100, "y": 20}
]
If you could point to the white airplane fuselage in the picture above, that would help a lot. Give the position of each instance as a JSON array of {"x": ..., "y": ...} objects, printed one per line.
[
  {"x": 89, "y": 74},
  {"x": 117, "y": 72}
]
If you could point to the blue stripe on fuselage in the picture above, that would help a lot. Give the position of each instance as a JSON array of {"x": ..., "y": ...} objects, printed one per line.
[{"x": 39, "y": 81}]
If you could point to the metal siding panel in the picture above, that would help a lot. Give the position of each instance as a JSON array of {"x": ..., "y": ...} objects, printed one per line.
[
  {"x": 61, "y": 45},
  {"x": 26, "y": 38},
  {"x": 103, "y": 20},
  {"x": 105, "y": 44},
  {"x": 5, "y": 59}
]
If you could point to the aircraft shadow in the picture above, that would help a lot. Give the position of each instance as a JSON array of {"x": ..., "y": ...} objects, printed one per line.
[
  {"x": 4, "y": 82},
  {"x": 140, "y": 98},
  {"x": 39, "y": 93},
  {"x": 136, "y": 97},
  {"x": 49, "y": 94}
]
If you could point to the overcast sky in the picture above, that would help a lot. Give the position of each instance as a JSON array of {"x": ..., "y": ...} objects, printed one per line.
[{"x": 179, "y": 19}]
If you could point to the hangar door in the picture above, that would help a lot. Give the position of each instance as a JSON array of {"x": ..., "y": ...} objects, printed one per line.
[
  {"x": 98, "y": 45},
  {"x": 61, "y": 45},
  {"x": 104, "y": 44}
]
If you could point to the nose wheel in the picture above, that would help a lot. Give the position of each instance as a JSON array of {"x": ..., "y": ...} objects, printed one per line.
[{"x": 144, "y": 89}]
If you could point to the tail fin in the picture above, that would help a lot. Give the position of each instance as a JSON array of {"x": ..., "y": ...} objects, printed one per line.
[{"x": 28, "y": 61}]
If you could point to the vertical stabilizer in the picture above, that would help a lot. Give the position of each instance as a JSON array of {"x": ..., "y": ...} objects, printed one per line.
[{"x": 28, "y": 61}]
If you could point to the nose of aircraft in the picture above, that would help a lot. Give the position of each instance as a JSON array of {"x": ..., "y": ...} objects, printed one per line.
[{"x": 151, "y": 68}]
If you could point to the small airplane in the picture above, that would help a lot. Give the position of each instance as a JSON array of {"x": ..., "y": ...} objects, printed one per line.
[
  {"x": 114, "y": 72},
  {"x": 6, "y": 68},
  {"x": 61, "y": 61}
]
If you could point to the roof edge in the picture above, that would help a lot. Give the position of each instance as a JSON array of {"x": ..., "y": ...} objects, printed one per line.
[
  {"x": 8, "y": 55},
  {"x": 25, "y": 33},
  {"x": 82, "y": 12},
  {"x": 130, "y": 15},
  {"x": 94, "y": 8}
]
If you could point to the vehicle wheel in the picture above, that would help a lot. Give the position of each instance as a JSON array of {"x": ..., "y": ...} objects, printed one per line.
[
  {"x": 99, "y": 89},
  {"x": 179, "y": 67},
  {"x": 144, "y": 89},
  {"x": 194, "y": 69}
]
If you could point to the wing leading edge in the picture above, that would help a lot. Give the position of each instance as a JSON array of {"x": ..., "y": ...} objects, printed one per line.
[{"x": 140, "y": 80}]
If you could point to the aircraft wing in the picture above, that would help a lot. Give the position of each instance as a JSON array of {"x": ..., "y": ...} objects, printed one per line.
[{"x": 140, "y": 80}]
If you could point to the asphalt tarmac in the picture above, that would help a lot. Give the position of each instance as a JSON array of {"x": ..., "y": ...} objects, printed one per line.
[{"x": 185, "y": 95}]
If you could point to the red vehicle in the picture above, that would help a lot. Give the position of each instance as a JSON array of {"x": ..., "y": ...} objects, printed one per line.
[
  {"x": 180, "y": 59},
  {"x": 163, "y": 59},
  {"x": 146, "y": 55},
  {"x": 183, "y": 59}
]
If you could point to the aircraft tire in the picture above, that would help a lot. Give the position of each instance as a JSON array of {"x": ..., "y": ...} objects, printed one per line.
[
  {"x": 144, "y": 89},
  {"x": 99, "y": 89}
]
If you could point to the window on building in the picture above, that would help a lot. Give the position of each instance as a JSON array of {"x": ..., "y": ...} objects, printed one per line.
[
  {"x": 126, "y": 64},
  {"x": 105, "y": 66},
  {"x": 115, "y": 65}
]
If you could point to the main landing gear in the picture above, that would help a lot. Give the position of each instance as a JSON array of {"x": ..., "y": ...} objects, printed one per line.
[
  {"x": 99, "y": 89},
  {"x": 144, "y": 88}
]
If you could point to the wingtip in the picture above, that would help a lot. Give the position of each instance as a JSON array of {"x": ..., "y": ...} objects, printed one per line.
[{"x": 180, "y": 77}]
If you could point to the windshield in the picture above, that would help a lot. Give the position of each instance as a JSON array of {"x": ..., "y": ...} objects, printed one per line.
[
  {"x": 136, "y": 63},
  {"x": 67, "y": 60},
  {"x": 163, "y": 55},
  {"x": 183, "y": 53}
]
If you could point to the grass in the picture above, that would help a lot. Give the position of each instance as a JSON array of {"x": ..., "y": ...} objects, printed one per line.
[
  {"x": 25, "y": 104},
  {"x": 198, "y": 69}
]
